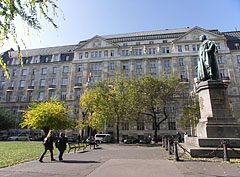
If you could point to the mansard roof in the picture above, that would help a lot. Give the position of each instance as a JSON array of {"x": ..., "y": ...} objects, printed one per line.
[{"x": 45, "y": 51}]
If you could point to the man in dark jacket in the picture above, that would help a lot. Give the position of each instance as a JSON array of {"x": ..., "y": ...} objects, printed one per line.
[{"x": 61, "y": 145}]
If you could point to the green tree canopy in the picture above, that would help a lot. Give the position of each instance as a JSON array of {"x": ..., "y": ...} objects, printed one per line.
[
  {"x": 152, "y": 97},
  {"x": 29, "y": 12},
  {"x": 7, "y": 120},
  {"x": 47, "y": 115}
]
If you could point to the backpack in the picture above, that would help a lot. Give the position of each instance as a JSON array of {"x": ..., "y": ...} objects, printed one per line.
[
  {"x": 57, "y": 143},
  {"x": 45, "y": 141}
]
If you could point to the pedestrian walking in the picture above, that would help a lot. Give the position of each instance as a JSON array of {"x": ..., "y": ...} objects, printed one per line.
[
  {"x": 48, "y": 145},
  {"x": 61, "y": 145}
]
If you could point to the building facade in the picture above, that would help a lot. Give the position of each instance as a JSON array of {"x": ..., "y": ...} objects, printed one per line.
[{"x": 63, "y": 71}]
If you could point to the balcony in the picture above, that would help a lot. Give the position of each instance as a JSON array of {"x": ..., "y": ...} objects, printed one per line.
[
  {"x": 184, "y": 80},
  {"x": 78, "y": 86},
  {"x": 30, "y": 88},
  {"x": 10, "y": 89},
  {"x": 52, "y": 87}
]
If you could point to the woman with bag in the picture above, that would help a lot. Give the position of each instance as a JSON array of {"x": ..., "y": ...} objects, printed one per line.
[{"x": 48, "y": 145}]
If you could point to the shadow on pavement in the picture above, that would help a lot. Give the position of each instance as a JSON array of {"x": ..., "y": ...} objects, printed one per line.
[{"x": 78, "y": 161}]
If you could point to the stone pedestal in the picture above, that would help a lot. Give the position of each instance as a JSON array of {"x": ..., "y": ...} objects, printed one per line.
[
  {"x": 216, "y": 123},
  {"x": 216, "y": 119}
]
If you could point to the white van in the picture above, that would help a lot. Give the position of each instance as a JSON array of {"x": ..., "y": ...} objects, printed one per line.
[{"x": 100, "y": 138}]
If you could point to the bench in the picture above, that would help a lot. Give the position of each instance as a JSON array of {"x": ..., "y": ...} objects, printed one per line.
[
  {"x": 75, "y": 146},
  {"x": 91, "y": 143}
]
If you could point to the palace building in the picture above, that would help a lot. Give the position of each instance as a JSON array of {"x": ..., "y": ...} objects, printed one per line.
[{"x": 62, "y": 71}]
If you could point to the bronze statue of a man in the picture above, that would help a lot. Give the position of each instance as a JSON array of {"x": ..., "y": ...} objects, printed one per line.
[{"x": 207, "y": 62}]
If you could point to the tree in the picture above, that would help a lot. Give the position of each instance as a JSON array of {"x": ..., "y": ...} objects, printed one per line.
[
  {"x": 107, "y": 103},
  {"x": 7, "y": 120},
  {"x": 191, "y": 114},
  {"x": 29, "y": 12},
  {"x": 152, "y": 97},
  {"x": 47, "y": 115}
]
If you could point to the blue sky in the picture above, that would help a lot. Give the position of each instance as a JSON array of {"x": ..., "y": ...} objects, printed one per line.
[{"x": 87, "y": 18}]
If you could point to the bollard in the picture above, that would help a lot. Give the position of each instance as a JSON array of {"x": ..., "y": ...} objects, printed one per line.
[
  {"x": 166, "y": 144},
  {"x": 225, "y": 152},
  {"x": 176, "y": 157},
  {"x": 163, "y": 142},
  {"x": 169, "y": 147}
]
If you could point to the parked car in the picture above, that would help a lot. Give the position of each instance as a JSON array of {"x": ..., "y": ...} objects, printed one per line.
[
  {"x": 99, "y": 138},
  {"x": 130, "y": 140},
  {"x": 19, "y": 137},
  {"x": 109, "y": 139},
  {"x": 3, "y": 135}
]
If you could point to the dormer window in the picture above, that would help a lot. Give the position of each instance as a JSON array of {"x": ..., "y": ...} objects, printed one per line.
[
  {"x": 237, "y": 46},
  {"x": 67, "y": 58},
  {"x": 55, "y": 58}
]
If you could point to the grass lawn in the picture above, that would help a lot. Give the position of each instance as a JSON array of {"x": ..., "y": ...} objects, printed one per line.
[{"x": 15, "y": 152}]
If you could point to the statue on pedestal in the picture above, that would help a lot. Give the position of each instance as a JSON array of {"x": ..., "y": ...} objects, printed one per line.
[{"x": 207, "y": 62}]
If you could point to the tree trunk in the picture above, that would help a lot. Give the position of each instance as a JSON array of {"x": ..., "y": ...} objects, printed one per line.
[
  {"x": 155, "y": 132},
  {"x": 117, "y": 133}
]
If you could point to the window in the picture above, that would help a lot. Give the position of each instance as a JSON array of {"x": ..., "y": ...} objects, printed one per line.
[
  {"x": 14, "y": 72},
  {"x": 100, "y": 54},
  {"x": 53, "y": 81},
  {"x": 27, "y": 61},
  {"x": 36, "y": 60},
  {"x": 51, "y": 94},
  {"x": 179, "y": 48},
  {"x": 33, "y": 71},
  {"x": 181, "y": 62},
  {"x": 138, "y": 43},
  {"x": 32, "y": 83},
  {"x": 12, "y": 84},
  {"x": 238, "y": 59},
  {"x": 42, "y": 82},
  {"x": 44, "y": 71},
  {"x": 41, "y": 96},
  {"x": 2, "y": 84},
  {"x": 78, "y": 94},
  {"x": 92, "y": 67},
  {"x": 112, "y": 66},
  {"x": 151, "y": 51},
  {"x": 140, "y": 125},
  {"x": 164, "y": 41},
  {"x": 54, "y": 70},
  {"x": 46, "y": 60},
  {"x": 64, "y": 81},
  {"x": 22, "y": 83},
  {"x": 105, "y": 53},
  {"x": 80, "y": 55},
  {"x": 29, "y": 95},
  {"x": 218, "y": 46},
  {"x": 63, "y": 95},
  {"x": 24, "y": 72},
  {"x": 86, "y": 54},
  {"x": 96, "y": 54},
  {"x": 165, "y": 50},
  {"x": 125, "y": 44},
  {"x": 237, "y": 46},
  {"x": 138, "y": 65},
  {"x": 186, "y": 47},
  {"x": 79, "y": 80},
  {"x": 166, "y": 63},
  {"x": 198, "y": 46},
  {"x": 125, "y": 125},
  {"x": 138, "y": 51},
  {"x": 220, "y": 59},
  {"x": 96, "y": 67},
  {"x": 19, "y": 97},
  {"x": 92, "y": 54},
  {"x": 125, "y": 53},
  {"x": 80, "y": 68},
  {"x": 100, "y": 67},
  {"x": 195, "y": 61},
  {"x": 152, "y": 64},
  {"x": 125, "y": 66},
  {"x": 65, "y": 69},
  {"x": 67, "y": 58},
  {"x": 151, "y": 42},
  {"x": 56, "y": 58},
  {"x": 223, "y": 73},
  {"x": 183, "y": 75},
  {"x": 171, "y": 124},
  {"x": 194, "y": 47},
  {"x": 112, "y": 53}
]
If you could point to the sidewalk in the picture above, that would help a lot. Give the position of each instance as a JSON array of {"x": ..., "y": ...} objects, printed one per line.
[{"x": 120, "y": 161}]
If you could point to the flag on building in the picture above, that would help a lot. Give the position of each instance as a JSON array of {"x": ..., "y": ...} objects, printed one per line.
[{"x": 89, "y": 76}]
